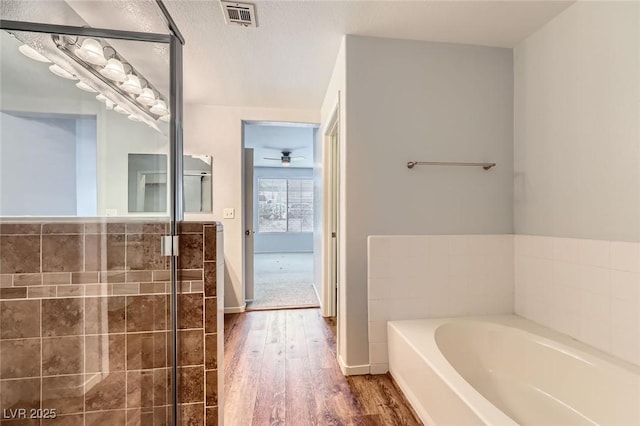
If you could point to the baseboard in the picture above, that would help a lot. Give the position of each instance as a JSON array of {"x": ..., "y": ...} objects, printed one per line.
[
  {"x": 283, "y": 252},
  {"x": 378, "y": 368},
  {"x": 235, "y": 309},
  {"x": 352, "y": 370}
]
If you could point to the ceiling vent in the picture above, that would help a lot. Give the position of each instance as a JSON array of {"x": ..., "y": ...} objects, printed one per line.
[{"x": 239, "y": 13}]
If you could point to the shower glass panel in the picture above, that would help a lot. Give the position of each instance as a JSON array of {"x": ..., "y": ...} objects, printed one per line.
[
  {"x": 86, "y": 295},
  {"x": 138, "y": 15}
]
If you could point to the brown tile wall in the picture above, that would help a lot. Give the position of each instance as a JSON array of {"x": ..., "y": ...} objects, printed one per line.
[
  {"x": 85, "y": 323},
  {"x": 200, "y": 337}
]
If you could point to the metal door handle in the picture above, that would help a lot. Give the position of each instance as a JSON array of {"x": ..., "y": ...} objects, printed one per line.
[{"x": 249, "y": 232}]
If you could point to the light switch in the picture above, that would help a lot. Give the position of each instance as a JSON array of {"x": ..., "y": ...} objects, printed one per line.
[{"x": 229, "y": 213}]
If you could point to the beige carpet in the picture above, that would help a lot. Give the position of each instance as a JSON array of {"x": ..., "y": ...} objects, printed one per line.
[{"x": 283, "y": 280}]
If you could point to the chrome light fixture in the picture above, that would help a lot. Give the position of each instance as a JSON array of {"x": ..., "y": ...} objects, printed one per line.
[
  {"x": 61, "y": 72},
  {"x": 132, "y": 85},
  {"x": 135, "y": 96},
  {"x": 91, "y": 51},
  {"x": 114, "y": 70},
  {"x": 32, "y": 53},
  {"x": 160, "y": 108}
]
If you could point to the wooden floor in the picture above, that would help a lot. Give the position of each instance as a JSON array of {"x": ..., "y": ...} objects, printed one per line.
[{"x": 281, "y": 369}]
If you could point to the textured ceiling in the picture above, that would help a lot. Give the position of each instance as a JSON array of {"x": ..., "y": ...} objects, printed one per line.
[{"x": 286, "y": 62}]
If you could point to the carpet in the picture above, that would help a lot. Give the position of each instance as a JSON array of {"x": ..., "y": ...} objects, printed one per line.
[{"x": 283, "y": 280}]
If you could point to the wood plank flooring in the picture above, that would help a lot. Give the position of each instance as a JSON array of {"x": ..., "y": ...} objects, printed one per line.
[{"x": 281, "y": 369}]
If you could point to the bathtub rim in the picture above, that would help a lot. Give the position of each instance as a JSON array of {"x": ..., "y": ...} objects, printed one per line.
[{"x": 430, "y": 353}]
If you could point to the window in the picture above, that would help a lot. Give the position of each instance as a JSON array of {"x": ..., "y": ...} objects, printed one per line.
[{"x": 285, "y": 205}]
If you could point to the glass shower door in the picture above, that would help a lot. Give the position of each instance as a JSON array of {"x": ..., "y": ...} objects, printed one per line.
[{"x": 86, "y": 293}]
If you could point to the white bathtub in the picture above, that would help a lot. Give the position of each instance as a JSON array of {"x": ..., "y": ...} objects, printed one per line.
[{"x": 505, "y": 370}]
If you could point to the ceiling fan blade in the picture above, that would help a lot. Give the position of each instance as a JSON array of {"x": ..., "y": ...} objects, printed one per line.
[
  {"x": 297, "y": 158},
  {"x": 271, "y": 158}
]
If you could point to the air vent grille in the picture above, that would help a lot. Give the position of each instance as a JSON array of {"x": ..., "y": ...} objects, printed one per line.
[{"x": 239, "y": 13}]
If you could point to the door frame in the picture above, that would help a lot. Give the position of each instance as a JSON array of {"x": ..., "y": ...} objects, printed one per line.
[
  {"x": 331, "y": 214},
  {"x": 246, "y": 225}
]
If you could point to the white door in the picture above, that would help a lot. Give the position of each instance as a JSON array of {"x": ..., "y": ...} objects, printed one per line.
[{"x": 248, "y": 224}]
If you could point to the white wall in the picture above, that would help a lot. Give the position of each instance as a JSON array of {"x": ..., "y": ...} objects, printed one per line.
[
  {"x": 420, "y": 101},
  {"x": 37, "y": 165},
  {"x": 577, "y": 175},
  {"x": 217, "y": 131},
  {"x": 431, "y": 276},
  {"x": 117, "y": 138},
  {"x": 577, "y": 124},
  {"x": 86, "y": 166}
]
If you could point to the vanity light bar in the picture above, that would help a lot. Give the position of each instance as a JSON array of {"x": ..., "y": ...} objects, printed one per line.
[{"x": 88, "y": 56}]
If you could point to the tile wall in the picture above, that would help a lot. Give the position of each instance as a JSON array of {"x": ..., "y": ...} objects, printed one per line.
[
  {"x": 85, "y": 323},
  {"x": 588, "y": 289},
  {"x": 200, "y": 337},
  {"x": 433, "y": 276}
]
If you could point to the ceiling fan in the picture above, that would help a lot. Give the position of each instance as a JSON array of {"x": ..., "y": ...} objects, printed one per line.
[{"x": 286, "y": 158}]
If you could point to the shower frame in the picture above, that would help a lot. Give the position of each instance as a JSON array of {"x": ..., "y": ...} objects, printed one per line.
[{"x": 176, "y": 41}]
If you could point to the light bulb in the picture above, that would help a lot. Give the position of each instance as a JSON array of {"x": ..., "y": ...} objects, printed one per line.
[
  {"x": 84, "y": 86},
  {"x": 160, "y": 108},
  {"x": 166, "y": 118},
  {"x": 132, "y": 85},
  {"x": 146, "y": 97},
  {"x": 133, "y": 118},
  {"x": 32, "y": 53},
  {"x": 91, "y": 51},
  {"x": 120, "y": 110},
  {"x": 61, "y": 72},
  {"x": 114, "y": 70}
]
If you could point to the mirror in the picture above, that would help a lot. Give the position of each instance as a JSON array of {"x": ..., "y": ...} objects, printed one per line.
[
  {"x": 68, "y": 133},
  {"x": 147, "y": 183},
  {"x": 148, "y": 187},
  {"x": 197, "y": 183}
]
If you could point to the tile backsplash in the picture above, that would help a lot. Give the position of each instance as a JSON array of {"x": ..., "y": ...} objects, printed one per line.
[
  {"x": 588, "y": 289},
  {"x": 429, "y": 276}
]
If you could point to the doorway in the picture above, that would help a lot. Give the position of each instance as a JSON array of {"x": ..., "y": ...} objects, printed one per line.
[{"x": 280, "y": 215}]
